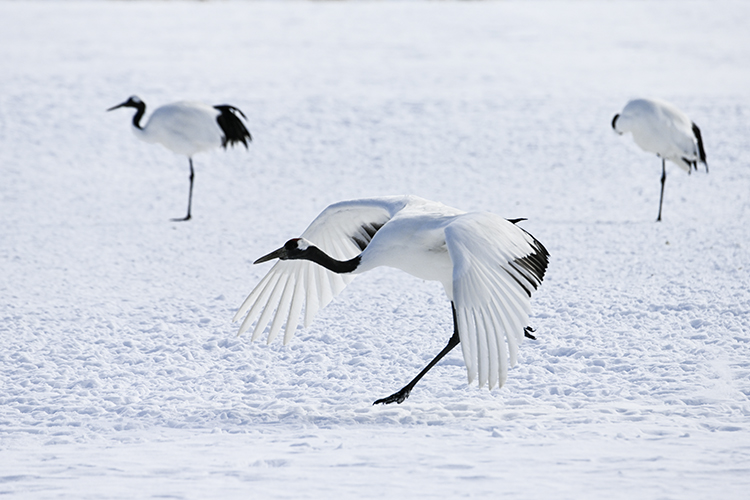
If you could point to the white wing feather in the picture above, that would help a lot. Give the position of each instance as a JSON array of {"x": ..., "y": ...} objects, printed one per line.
[
  {"x": 184, "y": 127},
  {"x": 291, "y": 285},
  {"x": 491, "y": 292}
]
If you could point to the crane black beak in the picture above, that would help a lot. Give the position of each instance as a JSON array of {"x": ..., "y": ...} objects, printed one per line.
[
  {"x": 118, "y": 106},
  {"x": 276, "y": 254}
]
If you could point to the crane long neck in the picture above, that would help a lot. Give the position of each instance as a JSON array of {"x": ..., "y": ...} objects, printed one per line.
[
  {"x": 140, "y": 110},
  {"x": 318, "y": 256}
]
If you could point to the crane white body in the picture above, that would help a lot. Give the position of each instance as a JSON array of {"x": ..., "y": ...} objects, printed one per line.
[
  {"x": 487, "y": 265},
  {"x": 661, "y": 128},
  {"x": 185, "y": 128},
  {"x": 414, "y": 241}
]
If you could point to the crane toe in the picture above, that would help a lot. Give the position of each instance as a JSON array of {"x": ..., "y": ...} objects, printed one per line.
[{"x": 398, "y": 397}]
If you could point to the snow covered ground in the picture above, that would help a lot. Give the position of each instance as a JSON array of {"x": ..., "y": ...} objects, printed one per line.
[{"x": 120, "y": 372}]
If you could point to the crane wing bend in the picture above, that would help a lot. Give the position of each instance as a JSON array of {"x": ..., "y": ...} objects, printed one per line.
[
  {"x": 342, "y": 231},
  {"x": 496, "y": 266}
]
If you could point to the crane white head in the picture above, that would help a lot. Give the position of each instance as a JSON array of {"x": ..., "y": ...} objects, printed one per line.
[{"x": 293, "y": 249}]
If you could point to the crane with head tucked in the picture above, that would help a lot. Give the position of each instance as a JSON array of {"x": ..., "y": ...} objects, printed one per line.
[{"x": 659, "y": 127}]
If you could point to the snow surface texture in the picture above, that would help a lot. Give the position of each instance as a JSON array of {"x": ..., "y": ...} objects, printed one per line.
[{"x": 120, "y": 372}]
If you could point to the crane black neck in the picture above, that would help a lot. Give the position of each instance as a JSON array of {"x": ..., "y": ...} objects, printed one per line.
[
  {"x": 140, "y": 110},
  {"x": 318, "y": 256}
]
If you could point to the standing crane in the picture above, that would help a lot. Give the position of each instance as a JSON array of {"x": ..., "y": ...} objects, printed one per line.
[
  {"x": 187, "y": 128},
  {"x": 659, "y": 127}
]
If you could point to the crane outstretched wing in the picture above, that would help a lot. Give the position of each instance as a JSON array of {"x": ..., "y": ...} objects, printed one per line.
[
  {"x": 496, "y": 266},
  {"x": 343, "y": 231}
]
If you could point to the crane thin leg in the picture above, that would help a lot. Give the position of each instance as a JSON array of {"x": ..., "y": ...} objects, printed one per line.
[
  {"x": 190, "y": 194},
  {"x": 663, "y": 179},
  {"x": 400, "y": 396}
]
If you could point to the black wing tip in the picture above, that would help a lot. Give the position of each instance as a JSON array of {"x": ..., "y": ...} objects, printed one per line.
[
  {"x": 365, "y": 234},
  {"x": 234, "y": 130},
  {"x": 701, "y": 149},
  {"x": 361, "y": 242},
  {"x": 533, "y": 266},
  {"x": 528, "y": 271},
  {"x": 614, "y": 122},
  {"x": 536, "y": 261},
  {"x": 224, "y": 108},
  {"x": 543, "y": 257},
  {"x": 528, "y": 332}
]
